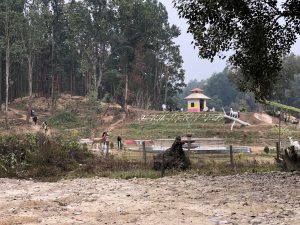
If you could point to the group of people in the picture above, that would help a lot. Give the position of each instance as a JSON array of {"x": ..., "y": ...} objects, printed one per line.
[
  {"x": 35, "y": 119},
  {"x": 105, "y": 142},
  {"x": 169, "y": 108}
]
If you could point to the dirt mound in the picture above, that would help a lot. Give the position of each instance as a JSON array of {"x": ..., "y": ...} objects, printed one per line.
[
  {"x": 257, "y": 118},
  {"x": 44, "y": 104},
  {"x": 264, "y": 118}
]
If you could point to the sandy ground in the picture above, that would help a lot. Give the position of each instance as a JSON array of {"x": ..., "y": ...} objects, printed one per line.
[
  {"x": 187, "y": 199},
  {"x": 264, "y": 117}
]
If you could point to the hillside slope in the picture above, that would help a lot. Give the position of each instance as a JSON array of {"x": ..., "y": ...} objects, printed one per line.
[{"x": 75, "y": 114}]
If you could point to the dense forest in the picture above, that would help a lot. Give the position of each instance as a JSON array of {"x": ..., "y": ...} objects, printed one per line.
[
  {"x": 117, "y": 50},
  {"x": 112, "y": 50}
]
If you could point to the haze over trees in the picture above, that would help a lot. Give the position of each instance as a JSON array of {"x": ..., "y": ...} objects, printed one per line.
[
  {"x": 120, "y": 50},
  {"x": 260, "y": 33},
  {"x": 222, "y": 88}
]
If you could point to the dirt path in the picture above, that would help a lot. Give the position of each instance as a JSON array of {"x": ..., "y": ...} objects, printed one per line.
[
  {"x": 31, "y": 126},
  {"x": 242, "y": 199},
  {"x": 19, "y": 112}
]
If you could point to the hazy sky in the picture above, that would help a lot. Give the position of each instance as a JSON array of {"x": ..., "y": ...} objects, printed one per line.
[{"x": 195, "y": 67}]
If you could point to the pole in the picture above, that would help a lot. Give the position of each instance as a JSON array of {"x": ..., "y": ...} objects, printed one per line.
[
  {"x": 144, "y": 152},
  {"x": 107, "y": 148},
  {"x": 189, "y": 139},
  {"x": 277, "y": 151},
  {"x": 189, "y": 148},
  {"x": 279, "y": 133},
  {"x": 163, "y": 165},
  {"x": 231, "y": 157}
]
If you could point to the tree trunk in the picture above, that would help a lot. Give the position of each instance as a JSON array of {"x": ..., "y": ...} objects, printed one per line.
[
  {"x": 155, "y": 84},
  {"x": 7, "y": 62},
  {"x": 71, "y": 78},
  {"x": 30, "y": 69},
  {"x": 166, "y": 87},
  {"x": 94, "y": 77},
  {"x": 126, "y": 94},
  {"x": 0, "y": 81},
  {"x": 85, "y": 85},
  {"x": 52, "y": 80},
  {"x": 99, "y": 81},
  {"x": 52, "y": 93}
]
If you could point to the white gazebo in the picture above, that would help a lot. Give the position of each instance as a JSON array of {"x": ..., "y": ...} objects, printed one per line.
[{"x": 197, "y": 100}]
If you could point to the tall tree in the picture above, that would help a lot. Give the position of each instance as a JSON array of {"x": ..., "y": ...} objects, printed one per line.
[
  {"x": 11, "y": 15},
  {"x": 113, "y": 49},
  {"x": 259, "y": 33},
  {"x": 32, "y": 34},
  {"x": 56, "y": 35},
  {"x": 286, "y": 90}
]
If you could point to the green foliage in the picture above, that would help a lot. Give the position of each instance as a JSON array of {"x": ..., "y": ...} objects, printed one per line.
[
  {"x": 220, "y": 166},
  {"x": 287, "y": 88},
  {"x": 283, "y": 107},
  {"x": 64, "y": 120},
  {"x": 156, "y": 129},
  {"x": 258, "y": 32},
  {"x": 88, "y": 47},
  {"x": 138, "y": 173},
  {"x": 93, "y": 95},
  {"x": 39, "y": 156},
  {"x": 223, "y": 93},
  {"x": 111, "y": 145}
]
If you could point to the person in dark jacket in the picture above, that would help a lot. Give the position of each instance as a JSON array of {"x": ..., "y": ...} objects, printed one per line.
[
  {"x": 119, "y": 141},
  {"x": 34, "y": 119}
]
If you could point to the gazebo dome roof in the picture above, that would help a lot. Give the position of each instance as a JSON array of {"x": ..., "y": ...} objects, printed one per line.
[
  {"x": 197, "y": 93},
  {"x": 197, "y": 90},
  {"x": 196, "y": 96}
]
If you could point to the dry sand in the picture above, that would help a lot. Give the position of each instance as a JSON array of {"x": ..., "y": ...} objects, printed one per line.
[
  {"x": 271, "y": 198},
  {"x": 264, "y": 118}
]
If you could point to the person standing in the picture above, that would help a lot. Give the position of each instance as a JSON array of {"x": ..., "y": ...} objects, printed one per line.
[
  {"x": 32, "y": 113},
  {"x": 34, "y": 120},
  {"x": 119, "y": 141},
  {"x": 45, "y": 126},
  {"x": 104, "y": 141},
  {"x": 107, "y": 143}
]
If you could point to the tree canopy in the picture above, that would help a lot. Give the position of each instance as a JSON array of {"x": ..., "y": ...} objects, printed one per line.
[
  {"x": 260, "y": 33},
  {"x": 221, "y": 88},
  {"x": 119, "y": 50}
]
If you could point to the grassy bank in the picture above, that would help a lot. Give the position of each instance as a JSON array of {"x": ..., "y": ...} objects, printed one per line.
[{"x": 53, "y": 158}]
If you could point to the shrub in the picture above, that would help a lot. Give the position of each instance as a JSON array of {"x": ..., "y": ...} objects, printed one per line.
[
  {"x": 51, "y": 158},
  {"x": 40, "y": 156},
  {"x": 111, "y": 145},
  {"x": 266, "y": 150},
  {"x": 64, "y": 119}
]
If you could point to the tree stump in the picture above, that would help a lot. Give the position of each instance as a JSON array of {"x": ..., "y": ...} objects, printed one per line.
[
  {"x": 291, "y": 160},
  {"x": 172, "y": 158}
]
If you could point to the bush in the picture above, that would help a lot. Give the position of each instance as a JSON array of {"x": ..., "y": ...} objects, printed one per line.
[
  {"x": 111, "y": 145},
  {"x": 266, "y": 150},
  {"x": 52, "y": 158},
  {"x": 64, "y": 120},
  {"x": 271, "y": 112},
  {"x": 39, "y": 156}
]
